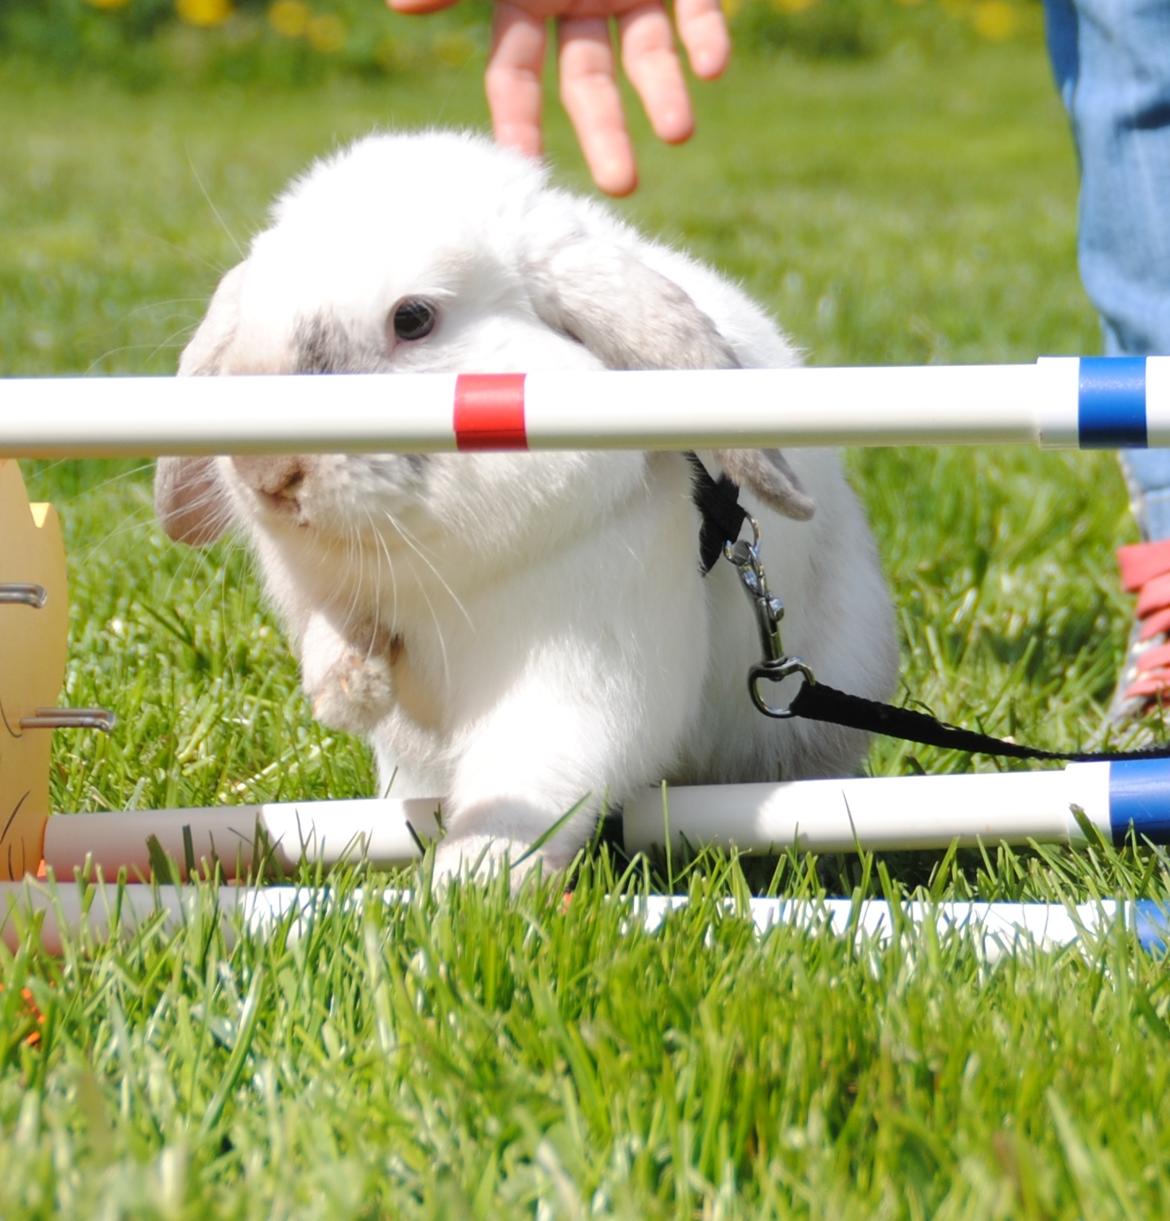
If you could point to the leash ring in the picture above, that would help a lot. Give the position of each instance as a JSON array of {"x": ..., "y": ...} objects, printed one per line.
[{"x": 776, "y": 672}]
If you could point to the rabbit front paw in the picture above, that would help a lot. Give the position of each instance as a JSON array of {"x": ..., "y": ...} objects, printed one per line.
[{"x": 356, "y": 691}]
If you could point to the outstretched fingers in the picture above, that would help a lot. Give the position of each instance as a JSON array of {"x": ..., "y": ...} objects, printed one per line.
[{"x": 588, "y": 71}]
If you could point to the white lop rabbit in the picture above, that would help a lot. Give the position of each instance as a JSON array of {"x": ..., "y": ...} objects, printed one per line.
[{"x": 520, "y": 634}]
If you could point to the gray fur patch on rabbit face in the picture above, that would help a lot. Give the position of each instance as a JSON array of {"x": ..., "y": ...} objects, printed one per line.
[{"x": 323, "y": 344}]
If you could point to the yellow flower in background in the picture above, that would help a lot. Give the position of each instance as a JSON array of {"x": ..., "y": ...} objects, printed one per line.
[
  {"x": 289, "y": 18},
  {"x": 107, "y": 4},
  {"x": 326, "y": 33},
  {"x": 792, "y": 6},
  {"x": 203, "y": 12},
  {"x": 454, "y": 49},
  {"x": 731, "y": 8},
  {"x": 995, "y": 20},
  {"x": 391, "y": 55}
]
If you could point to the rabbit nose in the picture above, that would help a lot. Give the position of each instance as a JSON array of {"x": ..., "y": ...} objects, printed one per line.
[{"x": 277, "y": 479}]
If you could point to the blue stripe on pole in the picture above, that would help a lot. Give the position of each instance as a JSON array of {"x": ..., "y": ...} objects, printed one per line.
[
  {"x": 1112, "y": 403},
  {"x": 1139, "y": 798},
  {"x": 1151, "y": 926}
]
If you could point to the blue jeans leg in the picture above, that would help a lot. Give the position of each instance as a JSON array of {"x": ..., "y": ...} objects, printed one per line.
[{"x": 1111, "y": 59}]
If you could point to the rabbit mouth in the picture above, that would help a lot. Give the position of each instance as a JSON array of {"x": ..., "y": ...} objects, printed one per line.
[
  {"x": 284, "y": 504},
  {"x": 280, "y": 511}
]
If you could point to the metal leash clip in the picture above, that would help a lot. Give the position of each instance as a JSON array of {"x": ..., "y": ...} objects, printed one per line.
[{"x": 775, "y": 667}]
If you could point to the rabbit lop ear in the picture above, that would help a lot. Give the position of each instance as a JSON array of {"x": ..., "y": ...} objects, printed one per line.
[
  {"x": 767, "y": 473},
  {"x": 597, "y": 291},
  {"x": 189, "y": 500}
]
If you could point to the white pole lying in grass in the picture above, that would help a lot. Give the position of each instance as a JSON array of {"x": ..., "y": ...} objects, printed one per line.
[
  {"x": 273, "y": 836},
  {"x": 1091, "y": 402},
  {"x": 885, "y": 814},
  {"x": 900, "y": 813},
  {"x": 68, "y": 911}
]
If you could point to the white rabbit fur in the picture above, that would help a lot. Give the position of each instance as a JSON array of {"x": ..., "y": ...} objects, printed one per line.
[{"x": 521, "y": 633}]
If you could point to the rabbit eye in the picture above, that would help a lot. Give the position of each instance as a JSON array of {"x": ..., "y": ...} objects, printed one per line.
[{"x": 414, "y": 318}]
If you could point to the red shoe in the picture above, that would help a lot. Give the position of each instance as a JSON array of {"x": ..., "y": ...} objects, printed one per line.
[{"x": 1145, "y": 679}]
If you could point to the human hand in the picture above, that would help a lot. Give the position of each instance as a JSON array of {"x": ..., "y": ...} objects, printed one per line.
[{"x": 588, "y": 72}]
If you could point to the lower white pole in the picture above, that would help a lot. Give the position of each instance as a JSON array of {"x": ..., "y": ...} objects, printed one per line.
[
  {"x": 240, "y": 839},
  {"x": 67, "y": 912},
  {"x": 900, "y": 812},
  {"x": 883, "y": 814}
]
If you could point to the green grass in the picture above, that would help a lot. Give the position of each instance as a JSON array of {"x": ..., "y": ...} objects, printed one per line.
[{"x": 483, "y": 1056}]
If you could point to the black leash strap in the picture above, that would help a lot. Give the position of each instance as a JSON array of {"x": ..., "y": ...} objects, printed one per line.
[{"x": 820, "y": 702}]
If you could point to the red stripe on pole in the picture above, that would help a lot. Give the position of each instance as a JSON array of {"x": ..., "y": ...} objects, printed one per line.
[{"x": 489, "y": 411}]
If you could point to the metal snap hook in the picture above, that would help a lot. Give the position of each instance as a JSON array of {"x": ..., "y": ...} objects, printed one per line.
[{"x": 777, "y": 672}]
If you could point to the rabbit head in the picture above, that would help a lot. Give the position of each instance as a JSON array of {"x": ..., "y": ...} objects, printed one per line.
[{"x": 439, "y": 252}]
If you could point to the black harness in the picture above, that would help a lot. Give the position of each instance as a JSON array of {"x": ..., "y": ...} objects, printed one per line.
[{"x": 723, "y": 516}]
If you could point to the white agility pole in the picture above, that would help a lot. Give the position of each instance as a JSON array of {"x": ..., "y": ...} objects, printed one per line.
[
  {"x": 1091, "y": 402},
  {"x": 902, "y": 813},
  {"x": 65, "y": 911},
  {"x": 239, "y": 839},
  {"x": 884, "y": 814}
]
